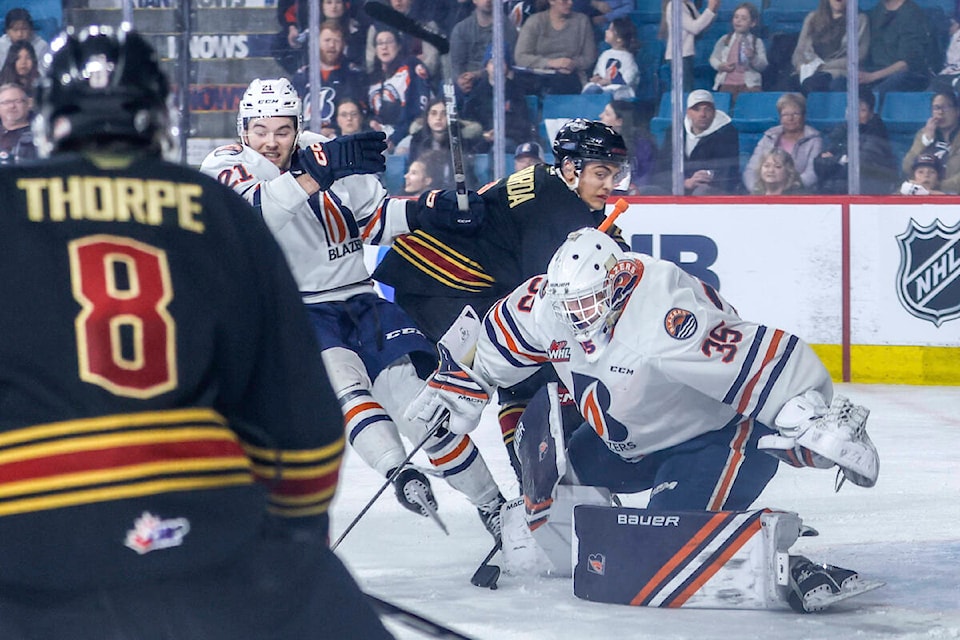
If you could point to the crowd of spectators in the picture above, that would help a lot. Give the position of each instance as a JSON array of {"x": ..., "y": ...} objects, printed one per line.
[{"x": 21, "y": 51}]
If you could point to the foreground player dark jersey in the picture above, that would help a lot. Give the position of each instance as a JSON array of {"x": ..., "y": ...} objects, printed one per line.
[
  {"x": 105, "y": 267},
  {"x": 435, "y": 272}
]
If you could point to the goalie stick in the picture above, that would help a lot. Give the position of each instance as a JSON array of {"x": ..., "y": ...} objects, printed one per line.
[
  {"x": 413, "y": 620},
  {"x": 393, "y": 18}
]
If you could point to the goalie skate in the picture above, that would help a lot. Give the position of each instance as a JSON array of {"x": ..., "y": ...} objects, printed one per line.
[
  {"x": 815, "y": 587},
  {"x": 414, "y": 493},
  {"x": 491, "y": 517}
]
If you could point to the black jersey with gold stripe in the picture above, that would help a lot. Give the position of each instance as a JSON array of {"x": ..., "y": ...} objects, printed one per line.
[{"x": 160, "y": 388}]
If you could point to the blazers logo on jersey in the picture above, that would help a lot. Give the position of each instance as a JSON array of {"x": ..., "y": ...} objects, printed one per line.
[
  {"x": 928, "y": 280},
  {"x": 680, "y": 323},
  {"x": 559, "y": 351},
  {"x": 594, "y": 404},
  {"x": 622, "y": 279}
]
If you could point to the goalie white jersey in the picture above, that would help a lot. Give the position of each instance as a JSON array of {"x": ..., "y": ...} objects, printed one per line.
[
  {"x": 680, "y": 361},
  {"x": 322, "y": 236}
]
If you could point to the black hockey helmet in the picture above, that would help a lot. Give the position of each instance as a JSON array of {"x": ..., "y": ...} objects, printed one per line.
[
  {"x": 101, "y": 84},
  {"x": 584, "y": 140}
]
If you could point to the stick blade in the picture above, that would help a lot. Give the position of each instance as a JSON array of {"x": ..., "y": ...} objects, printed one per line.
[{"x": 486, "y": 577}]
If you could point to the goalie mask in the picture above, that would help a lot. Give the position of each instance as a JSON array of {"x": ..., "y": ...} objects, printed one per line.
[
  {"x": 589, "y": 280},
  {"x": 581, "y": 141},
  {"x": 102, "y": 85},
  {"x": 266, "y": 99}
]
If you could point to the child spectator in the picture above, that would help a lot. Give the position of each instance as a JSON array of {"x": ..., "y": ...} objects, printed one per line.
[
  {"x": 616, "y": 71},
  {"x": 878, "y": 167},
  {"x": 941, "y": 137},
  {"x": 820, "y": 58},
  {"x": 740, "y": 56},
  {"x": 794, "y": 136},
  {"x": 18, "y": 27},
  {"x": 925, "y": 178},
  {"x": 692, "y": 24},
  {"x": 950, "y": 74},
  {"x": 778, "y": 175}
]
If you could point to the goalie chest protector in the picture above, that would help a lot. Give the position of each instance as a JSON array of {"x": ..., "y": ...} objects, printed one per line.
[{"x": 722, "y": 560}]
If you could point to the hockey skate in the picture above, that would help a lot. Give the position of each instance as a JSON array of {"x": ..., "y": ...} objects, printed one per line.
[
  {"x": 414, "y": 493},
  {"x": 490, "y": 515},
  {"x": 814, "y": 587}
]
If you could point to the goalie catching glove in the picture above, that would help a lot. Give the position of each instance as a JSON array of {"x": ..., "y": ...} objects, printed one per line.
[
  {"x": 452, "y": 391},
  {"x": 328, "y": 161}
]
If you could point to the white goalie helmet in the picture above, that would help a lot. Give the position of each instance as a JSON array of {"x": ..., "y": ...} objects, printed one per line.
[
  {"x": 588, "y": 281},
  {"x": 268, "y": 98}
]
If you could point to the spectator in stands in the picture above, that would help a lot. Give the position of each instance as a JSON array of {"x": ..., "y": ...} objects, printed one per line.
[
  {"x": 939, "y": 136},
  {"x": 711, "y": 149},
  {"x": 350, "y": 116},
  {"x": 21, "y": 67},
  {"x": 740, "y": 56},
  {"x": 354, "y": 31},
  {"x": 478, "y": 107},
  {"x": 820, "y": 59},
  {"x": 470, "y": 40},
  {"x": 926, "y": 177},
  {"x": 692, "y": 24},
  {"x": 557, "y": 48},
  {"x": 18, "y": 27},
  {"x": 603, "y": 12},
  {"x": 400, "y": 87},
  {"x": 430, "y": 132},
  {"x": 337, "y": 77},
  {"x": 16, "y": 137},
  {"x": 616, "y": 71},
  {"x": 289, "y": 46},
  {"x": 778, "y": 175},
  {"x": 949, "y": 75},
  {"x": 897, "y": 57},
  {"x": 527, "y": 155},
  {"x": 620, "y": 115},
  {"x": 794, "y": 136},
  {"x": 426, "y": 172},
  {"x": 426, "y": 53},
  {"x": 878, "y": 167}
]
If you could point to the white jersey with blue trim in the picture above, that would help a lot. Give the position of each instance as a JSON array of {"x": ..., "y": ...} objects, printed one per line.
[
  {"x": 680, "y": 361},
  {"x": 322, "y": 236}
]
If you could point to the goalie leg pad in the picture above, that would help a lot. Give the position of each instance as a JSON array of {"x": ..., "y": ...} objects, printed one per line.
[{"x": 698, "y": 559}]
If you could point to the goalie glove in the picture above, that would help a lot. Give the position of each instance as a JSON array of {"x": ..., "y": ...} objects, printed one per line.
[
  {"x": 344, "y": 156},
  {"x": 452, "y": 393}
]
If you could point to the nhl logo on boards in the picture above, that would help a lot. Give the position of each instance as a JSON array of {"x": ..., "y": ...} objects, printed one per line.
[{"x": 928, "y": 279}]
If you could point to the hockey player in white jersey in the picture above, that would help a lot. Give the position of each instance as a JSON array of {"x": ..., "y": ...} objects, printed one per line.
[
  {"x": 322, "y": 203},
  {"x": 680, "y": 395}
]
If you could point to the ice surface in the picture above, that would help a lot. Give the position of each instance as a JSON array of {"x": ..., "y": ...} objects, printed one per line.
[{"x": 905, "y": 531}]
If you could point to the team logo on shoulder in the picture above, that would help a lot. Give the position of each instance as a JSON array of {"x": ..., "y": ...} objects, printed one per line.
[
  {"x": 151, "y": 533},
  {"x": 559, "y": 351},
  {"x": 680, "y": 323},
  {"x": 622, "y": 279},
  {"x": 228, "y": 150},
  {"x": 928, "y": 280}
]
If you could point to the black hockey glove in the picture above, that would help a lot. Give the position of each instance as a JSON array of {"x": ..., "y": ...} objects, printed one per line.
[
  {"x": 344, "y": 156},
  {"x": 439, "y": 209}
]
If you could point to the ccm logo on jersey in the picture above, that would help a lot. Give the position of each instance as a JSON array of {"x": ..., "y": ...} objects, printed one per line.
[
  {"x": 151, "y": 533},
  {"x": 680, "y": 323},
  {"x": 648, "y": 521}
]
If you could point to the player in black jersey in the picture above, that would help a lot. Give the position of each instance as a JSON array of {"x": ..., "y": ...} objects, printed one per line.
[
  {"x": 435, "y": 272},
  {"x": 170, "y": 442}
]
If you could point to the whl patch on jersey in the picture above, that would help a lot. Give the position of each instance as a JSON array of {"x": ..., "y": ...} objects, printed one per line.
[
  {"x": 559, "y": 351},
  {"x": 680, "y": 323},
  {"x": 151, "y": 533}
]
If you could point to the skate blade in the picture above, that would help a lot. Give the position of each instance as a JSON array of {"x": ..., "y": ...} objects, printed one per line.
[
  {"x": 817, "y": 601},
  {"x": 426, "y": 508}
]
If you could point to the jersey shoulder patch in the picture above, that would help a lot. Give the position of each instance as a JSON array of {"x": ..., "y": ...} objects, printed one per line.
[{"x": 680, "y": 323}]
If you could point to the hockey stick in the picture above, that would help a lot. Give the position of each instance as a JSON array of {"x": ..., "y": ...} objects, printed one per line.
[
  {"x": 619, "y": 207},
  {"x": 393, "y": 18},
  {"x": 487, "y": 574},
  {"x": 413, "y": 620},
  {"x": 388, "y": 482}
]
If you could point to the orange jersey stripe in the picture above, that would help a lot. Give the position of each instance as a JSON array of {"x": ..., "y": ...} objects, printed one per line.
[
  {"x": 729, "y": 473},
  {"x": 767, "y": 358}
]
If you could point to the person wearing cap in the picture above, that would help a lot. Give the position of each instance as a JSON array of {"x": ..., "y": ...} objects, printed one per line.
[
  {"x": 478, "y": 107},
  {"x": 878, "y": 166},
  {"x": 794, "y": 136},
  {"x": 711, "y": 149},
  {"x": 940, "y": 134},
  {"x": 528, "y": 153},
  {"x": 18, "y": 27},
  {"x": 925, "y": 178},
  {"x": 469, "y": 46}
]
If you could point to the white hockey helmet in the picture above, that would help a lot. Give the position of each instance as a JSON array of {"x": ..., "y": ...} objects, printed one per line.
[
  {"x": 268, "y": 98},
  {"x": 588, "y": 281}
]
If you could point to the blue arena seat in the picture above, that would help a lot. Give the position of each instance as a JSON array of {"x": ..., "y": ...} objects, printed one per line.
[
  {"x": 574, "y": 105},
  {"x": 393, "y": 177},
  {"x": 756, "y": 112},
  {"x": 906, "y": 111},
  {"x": 826, "y": 109}
]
